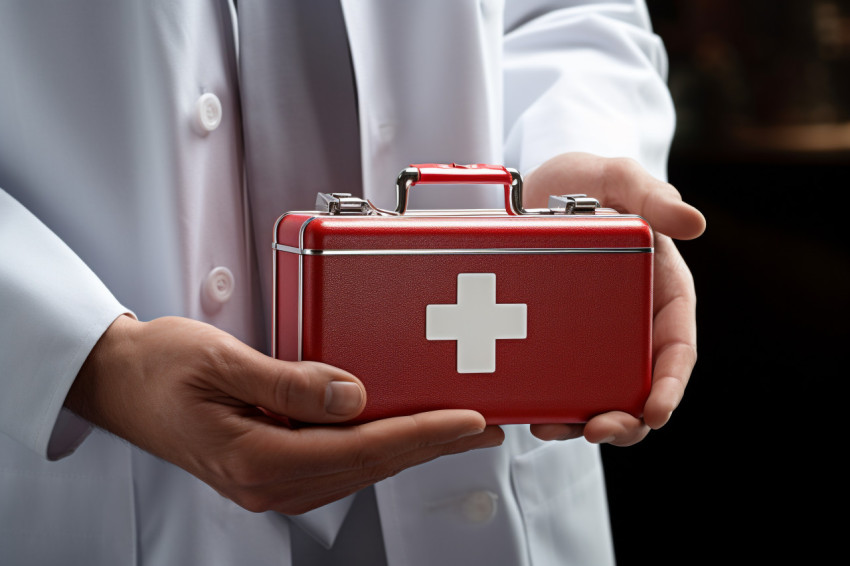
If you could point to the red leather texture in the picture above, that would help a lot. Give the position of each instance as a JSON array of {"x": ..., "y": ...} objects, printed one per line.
[{"x": 588, "y": 343}]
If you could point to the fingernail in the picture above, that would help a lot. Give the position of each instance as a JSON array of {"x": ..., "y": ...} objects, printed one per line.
[
  {"x": 342, "y": 398},
  {"x": 471, "y": 432}
]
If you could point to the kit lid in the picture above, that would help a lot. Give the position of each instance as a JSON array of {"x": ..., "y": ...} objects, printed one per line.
[
  {"x": 343, "y": 223},
  {"x": 312, "y": 233}
]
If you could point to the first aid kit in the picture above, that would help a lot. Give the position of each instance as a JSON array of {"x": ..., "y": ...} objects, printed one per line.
[{"x": 525, "y": 315}]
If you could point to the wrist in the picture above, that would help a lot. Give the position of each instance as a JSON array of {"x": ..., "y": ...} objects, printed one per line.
[{"x": 95, "y": 388}]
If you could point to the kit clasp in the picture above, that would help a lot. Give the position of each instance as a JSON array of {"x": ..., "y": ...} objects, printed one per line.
[
  {"x": 572, "y": 204},
  {"x": 343, "y": 203}
]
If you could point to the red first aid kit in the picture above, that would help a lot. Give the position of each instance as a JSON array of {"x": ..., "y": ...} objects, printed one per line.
[{"x": 527, "y": 316}]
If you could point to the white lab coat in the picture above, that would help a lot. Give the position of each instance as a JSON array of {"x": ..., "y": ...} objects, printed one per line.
[{"x": 113, "y": 198}]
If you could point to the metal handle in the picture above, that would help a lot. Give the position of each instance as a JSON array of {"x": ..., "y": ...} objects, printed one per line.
[{"x": 478, "y": 174}]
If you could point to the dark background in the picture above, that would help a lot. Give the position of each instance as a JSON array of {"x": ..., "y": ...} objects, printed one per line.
[{"x": 749, "y": 469}]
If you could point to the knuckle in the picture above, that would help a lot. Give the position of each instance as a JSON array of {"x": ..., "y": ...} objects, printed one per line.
[
  {"x": 370, "y": 454},
  {"x": 692, "y": 354},
  {"x": 672, "y": 190},
  {"x": 369, "y": 460},
  {"x": 364, "y": 458},
  {"x": 292, "y": 386},
  {"x": 622, "y": 169},
  {"x": 618, "y": 176},
  {"x": 218, "y": 352},
  {"x": 283, "y": 387}
]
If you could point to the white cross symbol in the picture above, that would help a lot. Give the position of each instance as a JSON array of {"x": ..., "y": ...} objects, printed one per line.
[{"x": 476, "y": 322}]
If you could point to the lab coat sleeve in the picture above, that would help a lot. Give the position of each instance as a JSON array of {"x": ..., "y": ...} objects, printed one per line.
[
  {"x": 585, "y": 76},
  {"x": 53, "y": 309}
]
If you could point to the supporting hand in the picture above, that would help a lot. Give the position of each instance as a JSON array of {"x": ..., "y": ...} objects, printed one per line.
[
  {"x": 188, "y": 393},
  {"x": 624, "y": 185}
]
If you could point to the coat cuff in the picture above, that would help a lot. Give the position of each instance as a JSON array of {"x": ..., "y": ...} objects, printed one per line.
[{"x": 55, "y": 309}]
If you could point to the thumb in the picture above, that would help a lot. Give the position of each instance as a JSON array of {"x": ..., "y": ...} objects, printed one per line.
[
  {"x": 619, "y": 183},
  {"x": 665, "y": 210},
  {"x": 303, "y": 391}
]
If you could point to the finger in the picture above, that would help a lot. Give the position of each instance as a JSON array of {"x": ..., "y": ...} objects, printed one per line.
[
  {"x": 304, "y": 391},
  {"x": 618, "y": 183},
  {"x": 617, "y": 428},
  {"x": 382, "y": 441},
  {"x": 670, "y": 377},
  {"x": 557, "y": 431},
  {"x": 315, "y": 491},
  {"x": 294, "y": 470},
  {"x": 674, "y": 335},
  {"x": 377, "y": 469},
  {"x": 628, "y": 187}
]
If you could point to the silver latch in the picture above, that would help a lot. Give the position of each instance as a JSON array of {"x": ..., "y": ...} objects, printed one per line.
[
  {"x": 572, "y": 204},
  {"x": 342, "y": 203}
]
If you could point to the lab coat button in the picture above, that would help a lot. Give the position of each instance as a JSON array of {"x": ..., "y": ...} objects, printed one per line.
[
  {"x": 218, "y": 285},
  {"x": 208, "y": 112},
  {"x": 479, "y": 506}
]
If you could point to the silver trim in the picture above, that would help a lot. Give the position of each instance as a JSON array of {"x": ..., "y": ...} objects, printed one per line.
[
  {"x": 301, "y": 231},
  {"x": 274, "y": 284},
  {"x": 275, "y": 249},
  {"x": 514, "y": 196},
  {"x": 300, "y": 302},
  {"x": 301, "y": 284},
  {"x": 458, "y": 213},
  {"x": 274, "y": 301},
  {"x": 460, "y": 251},
  {"x": 406, "y": 179}
]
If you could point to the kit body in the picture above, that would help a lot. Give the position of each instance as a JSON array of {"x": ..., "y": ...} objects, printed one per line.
[{"x": 355, "y": 291}]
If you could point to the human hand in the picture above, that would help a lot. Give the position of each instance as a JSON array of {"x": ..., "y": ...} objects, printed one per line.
[
  {"x": 624, "y": 185},
  {"x": 188, "y": 392}
]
